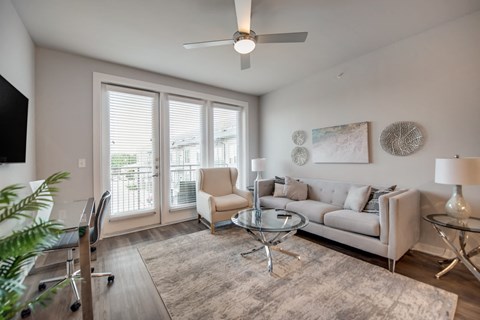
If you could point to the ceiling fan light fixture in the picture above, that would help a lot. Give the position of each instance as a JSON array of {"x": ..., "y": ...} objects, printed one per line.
[{"x": 244, "y": 42}]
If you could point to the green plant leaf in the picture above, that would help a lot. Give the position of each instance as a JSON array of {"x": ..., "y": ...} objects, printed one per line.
[
  {"x": 18, "y": 249},
  {"x": 36, "y": 237},
  {"x": 37, "y": 200}
]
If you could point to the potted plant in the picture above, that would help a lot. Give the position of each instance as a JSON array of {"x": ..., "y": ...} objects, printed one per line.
[{"x": 18, "y": 249}]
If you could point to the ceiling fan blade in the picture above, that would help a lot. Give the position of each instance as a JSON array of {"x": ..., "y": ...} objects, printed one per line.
[
  {"x": 243, "y": 9},
  {"x": 245, "y": 61},
  {"x": 206, "y": 44},
  {"x": 282, "y": 37}
]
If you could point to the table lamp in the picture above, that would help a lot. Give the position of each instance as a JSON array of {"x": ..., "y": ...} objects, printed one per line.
[
  {"x": 258, "y": 166},
  {"x": 458, "y": 171}
]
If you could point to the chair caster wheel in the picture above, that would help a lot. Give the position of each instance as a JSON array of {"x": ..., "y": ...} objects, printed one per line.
[
  {"x": 111, "y": 279},
  {"x": 75, "y": 306},
  {"x": 42, "y": 286},
  {"x": 26, "y": 313}
]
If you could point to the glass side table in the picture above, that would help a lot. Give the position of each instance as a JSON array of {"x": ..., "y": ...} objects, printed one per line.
[{"x": 463, "y": 226}]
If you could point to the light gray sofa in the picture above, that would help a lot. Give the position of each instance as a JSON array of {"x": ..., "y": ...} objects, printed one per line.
[{"x": 389, "y": 234}]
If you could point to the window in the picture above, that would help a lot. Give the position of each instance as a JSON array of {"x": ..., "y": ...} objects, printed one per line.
[
  {"x": 225, "y": 136},
  {"x": 185, "y": 127}
]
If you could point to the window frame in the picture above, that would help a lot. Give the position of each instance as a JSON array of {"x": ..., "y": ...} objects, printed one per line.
[{"x": 164, "y": 91}]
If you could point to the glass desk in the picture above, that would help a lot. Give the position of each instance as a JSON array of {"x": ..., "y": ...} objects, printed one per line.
[
  {"x": 463, "y": 226},
  {"x": 76, "y": 215},
  {"x": 281, "y": 224}
]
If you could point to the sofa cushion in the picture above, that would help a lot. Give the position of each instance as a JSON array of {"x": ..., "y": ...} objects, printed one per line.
[
  {"x": 357, "y": 198},
  {"x": 331, "y": 192},
  {"x": 353, "y": 221},
  {"x": 279, "y": 190},
  {"x": 274, "y": 202},
  {"x": 230, "y": 202},
  {"x": 314, "y": 210},
  {"x": 295, "y": 190}
]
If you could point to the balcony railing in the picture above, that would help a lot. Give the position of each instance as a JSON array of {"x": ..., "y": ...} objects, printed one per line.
[{"x": 132, "y": 189}]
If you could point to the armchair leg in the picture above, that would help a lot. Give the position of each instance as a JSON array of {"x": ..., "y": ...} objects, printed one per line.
[
  {"x": 212, "y": 227},
  {"x": 199, "y": 217}
]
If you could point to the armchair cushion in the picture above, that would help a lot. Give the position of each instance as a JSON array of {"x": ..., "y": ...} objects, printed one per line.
[{"x": 230, "y": 202}]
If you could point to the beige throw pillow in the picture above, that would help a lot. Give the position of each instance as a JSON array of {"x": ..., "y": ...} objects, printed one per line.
[
  {"x": 295, "y": 190},
  {"x": 357, "y": 198},
  {"x": 279, "y": 190}
]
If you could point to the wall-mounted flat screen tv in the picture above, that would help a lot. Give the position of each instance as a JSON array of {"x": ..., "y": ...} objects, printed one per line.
[{"x": 13, "y": 123}]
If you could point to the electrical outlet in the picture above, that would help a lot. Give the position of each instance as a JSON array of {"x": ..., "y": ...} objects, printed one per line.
[{"x": 82, "y": 163}]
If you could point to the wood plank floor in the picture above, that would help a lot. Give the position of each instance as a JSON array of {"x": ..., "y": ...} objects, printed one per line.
[{"x": 133, "y": 295}]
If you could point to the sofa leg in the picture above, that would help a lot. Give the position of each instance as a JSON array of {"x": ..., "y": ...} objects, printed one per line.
[
  {"x": 391, "y": 265},
  {"x": 212, "y": 227},
  {"x": 199, "y": 217}
]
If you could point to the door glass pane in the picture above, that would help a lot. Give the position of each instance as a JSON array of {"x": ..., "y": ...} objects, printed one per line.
[
  {"x": 131, "y": 151},
  {"x": 185, "y": 120},
  {"x": 225, "y": 136}
]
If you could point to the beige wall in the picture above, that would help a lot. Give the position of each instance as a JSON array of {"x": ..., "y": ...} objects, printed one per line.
[
  {"x": 65, "y": 116},
  {"x": 432, "y": 78}
]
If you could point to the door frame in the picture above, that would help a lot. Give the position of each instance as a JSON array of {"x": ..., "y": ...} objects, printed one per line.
[{"x": 166, "y": 216}]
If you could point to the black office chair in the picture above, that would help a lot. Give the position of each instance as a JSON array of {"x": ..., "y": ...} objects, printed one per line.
[{"x": 69, "y": 241}]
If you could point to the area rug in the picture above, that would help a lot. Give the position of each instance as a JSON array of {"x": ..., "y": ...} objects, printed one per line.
[{"x": 203, "y": 276}]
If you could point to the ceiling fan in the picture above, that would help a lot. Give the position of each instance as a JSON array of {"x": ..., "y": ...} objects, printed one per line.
[{"x": 245, "y": 40}]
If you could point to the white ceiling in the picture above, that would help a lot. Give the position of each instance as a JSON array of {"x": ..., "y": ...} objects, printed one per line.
[{"x": 148, "y": 34}]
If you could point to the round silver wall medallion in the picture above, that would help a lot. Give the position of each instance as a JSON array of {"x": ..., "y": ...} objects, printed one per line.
[
  {"x": 401, "y": 138},
  {"x": 299, "y": 137},
  {"x": 299, "y": 156}
]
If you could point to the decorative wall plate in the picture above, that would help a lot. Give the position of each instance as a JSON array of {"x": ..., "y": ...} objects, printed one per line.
[
  {"x": 299, "y": 156},
  {"x": 299, "y": 137},
  {"x": 401, "y": 138}
]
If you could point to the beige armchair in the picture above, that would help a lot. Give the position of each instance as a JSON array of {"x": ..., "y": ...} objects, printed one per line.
[{"x": 217, "y": 196}]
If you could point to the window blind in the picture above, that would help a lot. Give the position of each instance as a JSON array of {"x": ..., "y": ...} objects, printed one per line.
[
  {"x": 186, "y": 127},
  {"x": 131, "y": 114},
  {"x": 226, "y": 136}
]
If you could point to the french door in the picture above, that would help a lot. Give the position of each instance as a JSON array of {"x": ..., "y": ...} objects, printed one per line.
[{"x": 131, "y": 159}]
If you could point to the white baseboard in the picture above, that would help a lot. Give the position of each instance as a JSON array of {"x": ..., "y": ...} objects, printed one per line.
[{"x": 434, "y": 250}]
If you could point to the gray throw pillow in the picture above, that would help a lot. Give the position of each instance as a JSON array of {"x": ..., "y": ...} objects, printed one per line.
[
  {"x": 357, "y": 198},
  {"x": 372, "y": 205},
  {"x": 295, "y": 190}
]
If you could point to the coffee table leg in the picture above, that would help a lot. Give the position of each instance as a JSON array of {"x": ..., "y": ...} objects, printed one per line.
[
  {"x": 292, "y": 254},
  {"x": 251, "y": 251},
  {"x": 270, "y": 261}
]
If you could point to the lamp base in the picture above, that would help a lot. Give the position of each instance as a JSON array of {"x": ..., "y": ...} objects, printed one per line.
[{"x": 456, "y": 207}]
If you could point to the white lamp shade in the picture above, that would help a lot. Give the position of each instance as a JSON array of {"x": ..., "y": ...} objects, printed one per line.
[
  {"x": 258, "y": 165},
  {"x": 458, "y": 171}
]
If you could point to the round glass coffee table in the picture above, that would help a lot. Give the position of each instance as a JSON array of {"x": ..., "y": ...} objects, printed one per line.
[{"x": 270, "y": 227}]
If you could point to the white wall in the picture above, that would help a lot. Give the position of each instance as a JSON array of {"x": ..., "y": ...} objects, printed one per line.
[
  {"x": 17, "y": 57},
  {"x": 432, "y": 78},
  {"x": 65, "y": 117}
]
